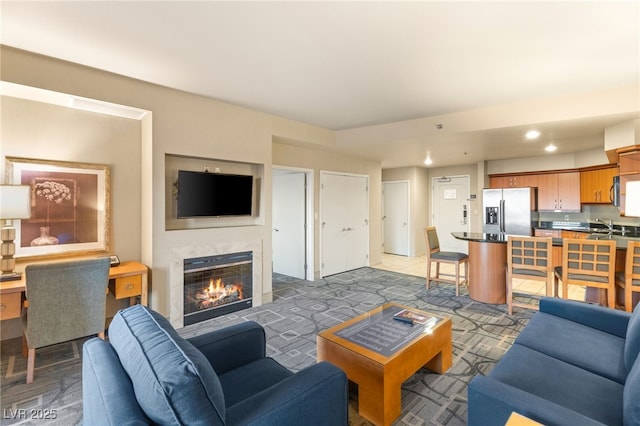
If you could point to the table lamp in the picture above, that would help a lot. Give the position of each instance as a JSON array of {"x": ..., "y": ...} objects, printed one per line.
[
  {"x": 632, "y": 207},
  {"x": 15, "y": 203}
]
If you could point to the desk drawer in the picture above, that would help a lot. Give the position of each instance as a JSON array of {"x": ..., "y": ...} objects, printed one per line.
[
  {"x": 125, "y": 287},
  {"x": 10, "y": 305}
]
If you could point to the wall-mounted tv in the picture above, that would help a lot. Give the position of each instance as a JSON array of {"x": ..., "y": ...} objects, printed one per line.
[{"x": 202, "y": 194}]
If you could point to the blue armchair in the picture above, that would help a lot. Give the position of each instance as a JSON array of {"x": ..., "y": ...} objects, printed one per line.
[{"x": 147, "y": 374}]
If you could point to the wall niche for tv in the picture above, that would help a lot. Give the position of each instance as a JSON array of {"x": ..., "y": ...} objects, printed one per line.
[{"x": 212, "y": 193}]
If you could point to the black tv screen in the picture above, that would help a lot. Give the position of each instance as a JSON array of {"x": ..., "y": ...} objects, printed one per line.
[{"x": 213, "y": 194}]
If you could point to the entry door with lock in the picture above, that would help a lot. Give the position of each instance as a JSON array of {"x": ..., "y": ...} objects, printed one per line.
[
  {"x": 344, "y": 227},
  {"x": 451, "y": 209}
]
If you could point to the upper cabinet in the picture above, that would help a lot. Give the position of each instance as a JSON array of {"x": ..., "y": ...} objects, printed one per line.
[
  {"x": 596, "y": 185},
  {"x": 559, "y": 192},
  {"x": 514, "y": 181},
  {"x": 629, "y": 164}
]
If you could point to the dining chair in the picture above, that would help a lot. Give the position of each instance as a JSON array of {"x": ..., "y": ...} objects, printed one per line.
[
  {"x": 65, "y": 301},
  {"x": 434, "y": 255},
  {"x": 588, "y": 263},
  {"x": 528, "y": 258},
  {"x": 629, "y": 280}
]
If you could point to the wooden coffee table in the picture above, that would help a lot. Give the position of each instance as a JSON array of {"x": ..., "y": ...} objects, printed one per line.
[{"x": 379, "y": 353}]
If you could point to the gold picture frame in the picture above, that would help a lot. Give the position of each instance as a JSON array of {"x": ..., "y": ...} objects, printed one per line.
[{"x": 70, "y": 207}]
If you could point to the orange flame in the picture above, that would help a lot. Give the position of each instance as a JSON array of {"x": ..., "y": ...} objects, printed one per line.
[{"x": 217, "y": 290}]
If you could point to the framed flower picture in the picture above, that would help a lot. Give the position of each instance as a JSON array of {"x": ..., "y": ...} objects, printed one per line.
[{"x": 69, "y": 207}]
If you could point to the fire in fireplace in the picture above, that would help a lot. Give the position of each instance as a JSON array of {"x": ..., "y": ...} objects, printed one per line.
[{"x": 217, "y": 285}]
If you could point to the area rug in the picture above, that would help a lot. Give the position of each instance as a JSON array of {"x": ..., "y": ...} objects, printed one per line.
[{"x": 300, "y": 310}]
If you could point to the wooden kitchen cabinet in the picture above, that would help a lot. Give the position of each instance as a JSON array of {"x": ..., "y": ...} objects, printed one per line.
[
  {"x": 596, "y": 184},
  {"x": 559, "y": 192},
  {"x": 574, "y": 234},
  {"x": 553, "y": 233},
  {"x": 513, "y": 181}
]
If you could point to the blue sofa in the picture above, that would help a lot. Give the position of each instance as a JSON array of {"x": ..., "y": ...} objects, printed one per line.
[
  {"x": 148, "y": 374},
  {"x": 573, "y": 364}
]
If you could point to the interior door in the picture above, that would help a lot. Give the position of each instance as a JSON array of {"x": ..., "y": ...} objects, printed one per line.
[
  {"x": 288, "y": 219},
  {"x": 451, "y": 211},
  {"x": 344, "y": 223},
  {"x": 395, "y": 217},
  {"x": 357, "y": 205}
]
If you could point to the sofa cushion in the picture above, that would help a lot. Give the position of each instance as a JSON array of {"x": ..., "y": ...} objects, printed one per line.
[
  {"x": 565, "y": 384},
  {"x": 594, "y": 350},
  {"x": 632, "y": 345},
  {"x": 252, "y": 378},
  {"x": 173, "y": 381}
]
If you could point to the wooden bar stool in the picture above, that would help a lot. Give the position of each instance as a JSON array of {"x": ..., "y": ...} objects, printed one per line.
[
  {"x": 435, "y": 255},
  {"x": 629, "y": 280},
  {"x": 588, "y": 263},
  {"x": 528, "y": 258}
]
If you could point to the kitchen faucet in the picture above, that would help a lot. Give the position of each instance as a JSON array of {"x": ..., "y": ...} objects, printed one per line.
[{"x": 608, "y": 224}]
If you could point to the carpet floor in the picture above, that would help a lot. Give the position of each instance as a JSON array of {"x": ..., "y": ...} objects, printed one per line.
[{"x": 300, "y": 310}]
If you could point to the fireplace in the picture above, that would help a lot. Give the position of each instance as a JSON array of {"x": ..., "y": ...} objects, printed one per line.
[{"x": 217, "y": 285}]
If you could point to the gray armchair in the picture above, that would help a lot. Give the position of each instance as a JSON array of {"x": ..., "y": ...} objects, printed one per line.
[{"x": 66, "y": 301}]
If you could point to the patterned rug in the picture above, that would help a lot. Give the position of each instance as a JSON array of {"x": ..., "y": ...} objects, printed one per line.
[{"x": 300, "y": 310}]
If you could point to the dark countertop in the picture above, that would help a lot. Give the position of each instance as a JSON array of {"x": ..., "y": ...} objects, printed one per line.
[
  {"x": 482, "y": 237},
  {"x": 591, "y": 228}
]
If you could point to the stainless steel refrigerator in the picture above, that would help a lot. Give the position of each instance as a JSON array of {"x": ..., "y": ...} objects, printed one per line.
[{"x": 509, "y": 210}]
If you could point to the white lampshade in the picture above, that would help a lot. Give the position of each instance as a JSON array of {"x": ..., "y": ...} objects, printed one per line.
[
  {"x": 632, "y": 200},
  {"x": 15, "y": 202}
]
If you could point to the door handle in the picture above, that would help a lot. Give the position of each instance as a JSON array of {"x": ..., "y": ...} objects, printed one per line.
[{"x": 276, "y": 230}]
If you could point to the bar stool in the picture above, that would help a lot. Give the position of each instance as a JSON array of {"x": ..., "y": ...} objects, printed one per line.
[
  {"x": 528, "y": 258},
  {"x": 629, "y": 280},
  {"x": 435, "y": 255},
  {"x": 588, "y": 263}
]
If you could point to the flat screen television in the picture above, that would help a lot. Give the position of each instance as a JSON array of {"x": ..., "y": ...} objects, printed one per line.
[{"x": 202, "y": 194}]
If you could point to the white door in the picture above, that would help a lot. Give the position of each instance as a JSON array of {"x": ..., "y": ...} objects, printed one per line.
[
  {"x": 344, "y": 226},
  {"x": 451, "y": 211},
  {"x": 288, "y": 219},
  {"x": 357, "y": 207},
  {"x": 395, "y": 217}
]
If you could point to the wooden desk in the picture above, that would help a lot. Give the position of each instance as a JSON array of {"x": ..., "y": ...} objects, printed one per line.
[{"x": 129, "y": 279}]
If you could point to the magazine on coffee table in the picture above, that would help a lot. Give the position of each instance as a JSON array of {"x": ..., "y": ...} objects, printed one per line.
[{"x": 412, "y": 317}]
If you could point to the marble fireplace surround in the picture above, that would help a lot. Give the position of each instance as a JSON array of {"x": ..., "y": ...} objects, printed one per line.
[{"x": 176, "y": 273}]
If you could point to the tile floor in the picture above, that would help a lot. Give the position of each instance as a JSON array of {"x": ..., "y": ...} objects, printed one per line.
[{"x": 418, "y": 266}]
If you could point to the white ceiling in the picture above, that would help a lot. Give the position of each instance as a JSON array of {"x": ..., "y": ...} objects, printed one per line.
[{"x": 347, "y": 65}]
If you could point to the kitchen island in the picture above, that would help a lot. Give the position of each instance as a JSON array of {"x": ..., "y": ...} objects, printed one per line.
[
  {"x": 488, "y": 263},
  {"x": 487, "y": 266}
]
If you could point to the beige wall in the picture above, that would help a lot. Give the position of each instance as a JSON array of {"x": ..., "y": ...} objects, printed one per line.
[
  {"x": 44, "y": 131},
  {"x": 548, "y": 162},
  {"x": 182, "y": 124}
]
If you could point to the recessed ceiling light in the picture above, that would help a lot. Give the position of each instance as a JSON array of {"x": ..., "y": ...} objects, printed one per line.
[
  {"x": 550, "y": 148},
  {"x": 532, "y": 134}
]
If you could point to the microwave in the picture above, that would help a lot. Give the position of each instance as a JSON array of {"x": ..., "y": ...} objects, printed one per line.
[{"x": 614, "y": 192}]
